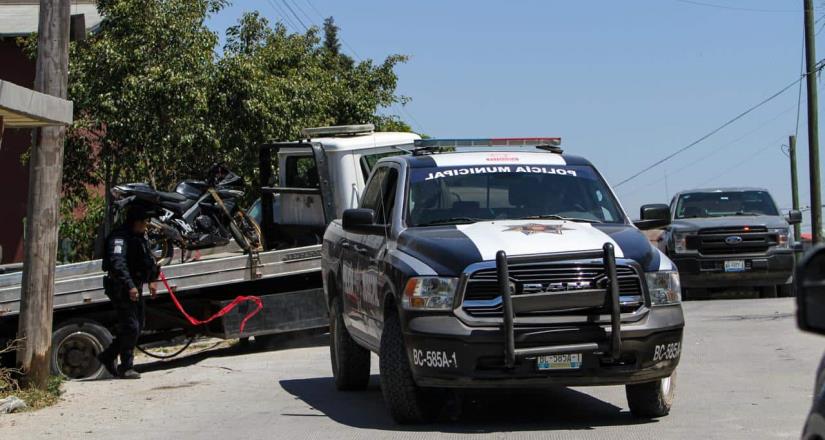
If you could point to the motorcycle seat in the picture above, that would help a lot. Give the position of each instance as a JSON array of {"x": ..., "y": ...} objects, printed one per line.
[{"x": 171, "y": 197}]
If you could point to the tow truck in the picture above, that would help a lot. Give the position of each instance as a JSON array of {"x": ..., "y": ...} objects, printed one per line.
[
  {"x": 498, "y": 263},
  {"x": 309, "y": 182}
]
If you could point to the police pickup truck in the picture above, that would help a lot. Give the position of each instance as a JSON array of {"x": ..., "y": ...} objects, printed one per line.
[{"x": 498, "y": 263}]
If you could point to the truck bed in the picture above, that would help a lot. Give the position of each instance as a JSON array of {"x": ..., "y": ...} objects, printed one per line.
[{"x": 80, "y": 284}]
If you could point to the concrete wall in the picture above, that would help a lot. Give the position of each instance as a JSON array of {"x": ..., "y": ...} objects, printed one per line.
[{"x": 14, "y": 177}]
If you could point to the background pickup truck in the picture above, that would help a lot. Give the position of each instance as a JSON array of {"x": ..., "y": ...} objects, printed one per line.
[
  {"x": 503, "y": 268},
  {"x": 730, "y": 237}
]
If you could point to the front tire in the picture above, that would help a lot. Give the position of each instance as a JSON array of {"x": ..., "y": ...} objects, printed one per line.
[
  {"x": 350, "y": 361},
  {"x": 651, "y": 399},
  {"x": 75, "y": 346},
  {"x": 407, "y": 402}
]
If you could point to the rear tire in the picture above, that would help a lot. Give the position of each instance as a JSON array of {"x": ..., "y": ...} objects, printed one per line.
[
  {"x": 406, "y": 401},
  {"x": 651, "y": 399},
  {"x": 350, "y": 361},
  {"x": 162, "y": 248},
  {"x": 786, "y": 290},
  {"x": 75, "y": 346},
  {"x": 246, "y": 232}
]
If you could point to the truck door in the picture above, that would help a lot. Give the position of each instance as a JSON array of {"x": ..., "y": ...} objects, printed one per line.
[
  {"x": 356, "y": 259},
  {"x": 372, "y": 248}
]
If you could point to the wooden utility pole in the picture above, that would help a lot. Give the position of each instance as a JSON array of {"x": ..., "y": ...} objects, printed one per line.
[
  {"x": 813, "y": 123},
  {"x": 43, "y": 211},
  {"x": 797, "y": 228}
]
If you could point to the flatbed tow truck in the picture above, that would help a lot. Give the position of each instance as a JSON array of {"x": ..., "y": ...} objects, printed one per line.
[{"x": 314, "y": 181}]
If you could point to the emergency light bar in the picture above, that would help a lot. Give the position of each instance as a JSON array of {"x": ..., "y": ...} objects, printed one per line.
[
  {"x": 337, "y": 130},
  {"x": 432, "y": 146},
  {"x": 491, "y": 142}
]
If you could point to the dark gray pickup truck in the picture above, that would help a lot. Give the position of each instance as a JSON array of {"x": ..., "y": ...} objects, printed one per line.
[
  {"x": 730, "y": 237},
  {"x": 498, "y": 269}
]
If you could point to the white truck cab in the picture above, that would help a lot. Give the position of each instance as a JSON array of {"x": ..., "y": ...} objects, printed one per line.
[{"x": 309, "y": 196}]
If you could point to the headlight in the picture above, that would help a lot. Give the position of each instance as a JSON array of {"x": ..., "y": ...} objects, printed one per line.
[
  {"x": 783, "y": 239},
  {"x": 664, "y": 287},
  {"x": 680, "y": 242},
  {"x": 429, "y": 293}
]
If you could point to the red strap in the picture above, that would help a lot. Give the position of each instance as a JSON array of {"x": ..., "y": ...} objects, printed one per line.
[{"x": 226, "y": 309}]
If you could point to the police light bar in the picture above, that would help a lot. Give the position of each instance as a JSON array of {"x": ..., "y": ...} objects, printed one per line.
[
  {"x": 337, "y": 130},
  {"x": 491, "y": 142}
]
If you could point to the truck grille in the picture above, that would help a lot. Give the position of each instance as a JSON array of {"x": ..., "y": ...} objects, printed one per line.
[
  {"x": 714, "y": 241},
  {"x": 481, "y": 297}
]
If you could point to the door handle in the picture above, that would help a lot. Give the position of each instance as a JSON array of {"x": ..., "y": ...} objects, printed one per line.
[{"x": 360, "y": 249}]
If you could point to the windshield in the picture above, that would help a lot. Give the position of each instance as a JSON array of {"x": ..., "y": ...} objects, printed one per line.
[
  {"x": 725, "y": 203},
  {"x": 466, "y": 194}
]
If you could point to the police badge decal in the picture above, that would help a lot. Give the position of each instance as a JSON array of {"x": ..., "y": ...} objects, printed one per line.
[{"x": 537, "y": 228}]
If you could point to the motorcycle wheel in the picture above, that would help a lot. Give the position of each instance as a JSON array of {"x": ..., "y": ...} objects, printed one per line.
[
  {"x": 246, "y": 232},
  {"x": 162, "y": 248}
]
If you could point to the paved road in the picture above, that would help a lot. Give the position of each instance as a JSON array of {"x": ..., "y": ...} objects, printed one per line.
[{"x": 746, "y": 373}]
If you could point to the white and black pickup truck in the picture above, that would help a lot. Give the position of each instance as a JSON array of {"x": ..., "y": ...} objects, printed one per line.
[{"x": 479, "y": 264}]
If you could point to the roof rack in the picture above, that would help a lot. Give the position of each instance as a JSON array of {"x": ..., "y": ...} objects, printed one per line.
[
  {"x": 433, "y": 146},
  {"x": 338, "y": 130}
]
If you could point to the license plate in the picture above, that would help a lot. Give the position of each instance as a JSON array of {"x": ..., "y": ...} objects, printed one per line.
[
  {"x": 734, "y": 265},
  {"x": 570, "y": 361}
]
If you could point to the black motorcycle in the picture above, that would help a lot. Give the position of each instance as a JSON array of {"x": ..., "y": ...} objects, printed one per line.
[{"x": 198, "y": 215}]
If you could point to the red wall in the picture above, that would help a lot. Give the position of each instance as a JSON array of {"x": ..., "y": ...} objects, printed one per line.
[{"x": 14, "y": 177}]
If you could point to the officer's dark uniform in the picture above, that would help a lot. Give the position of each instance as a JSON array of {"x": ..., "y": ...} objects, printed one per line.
[{"x": 129, "y": 264}]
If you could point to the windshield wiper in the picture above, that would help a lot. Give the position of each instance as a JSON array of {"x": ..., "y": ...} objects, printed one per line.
[
  {"x": 747, "y": 213},
  {"x": 451, "y": 221},
  {"x": 560, "y": 217}
]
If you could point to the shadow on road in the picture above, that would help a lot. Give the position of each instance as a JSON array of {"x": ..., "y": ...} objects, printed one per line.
[
  {"x": 477, "y": 411},
  {"x": 262, "y": 344}
]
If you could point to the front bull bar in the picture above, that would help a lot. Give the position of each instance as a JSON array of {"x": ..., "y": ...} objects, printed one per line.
[{"x": 511, "y": 353}]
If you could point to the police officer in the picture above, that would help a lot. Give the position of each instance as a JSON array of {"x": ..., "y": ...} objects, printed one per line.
[{"x": 129, "y": 264}]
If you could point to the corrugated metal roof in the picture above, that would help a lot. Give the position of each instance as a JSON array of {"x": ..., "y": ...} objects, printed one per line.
[{"x": 19, "y": 17}]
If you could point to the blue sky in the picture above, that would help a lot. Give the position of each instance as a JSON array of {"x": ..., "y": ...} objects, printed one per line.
[{"x": 624, "y": 83}]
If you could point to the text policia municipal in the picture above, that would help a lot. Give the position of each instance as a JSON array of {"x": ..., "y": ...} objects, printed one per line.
[{"x": 499, "y": 169}]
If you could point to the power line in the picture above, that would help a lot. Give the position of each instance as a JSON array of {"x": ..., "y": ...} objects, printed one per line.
[
  {"x": 750, "y": 158},
  {"x": 282, "y": 14},
  {"x": 306, "y": 29},
  {"x": 715, "y": 151},
  {"x": 734, "y": 8},
  {"x": 345, "y": 43},
  {"x": 717, "y": 129},
  {"x": 303, "y": 13}
]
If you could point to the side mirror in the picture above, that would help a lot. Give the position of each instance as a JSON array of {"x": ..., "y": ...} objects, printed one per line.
[
  {"x": 794, "y": 217},
  {"x": 361, "y": 221},
  {"x": 653, "y": 216},
  {"x": 809, "y": 281}
]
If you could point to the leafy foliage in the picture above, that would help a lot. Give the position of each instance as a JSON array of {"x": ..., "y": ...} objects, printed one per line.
[{"x": 155, "y": 101}]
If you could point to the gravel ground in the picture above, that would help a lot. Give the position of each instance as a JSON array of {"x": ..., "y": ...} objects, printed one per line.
[{"x": 746, "y": 372}]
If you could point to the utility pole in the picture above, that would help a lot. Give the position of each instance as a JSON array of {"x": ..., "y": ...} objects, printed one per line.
[
  {"x": 797, "y": 228},
  {"x": 43, "y": 211},
  {"x": 813, "y": 123}
]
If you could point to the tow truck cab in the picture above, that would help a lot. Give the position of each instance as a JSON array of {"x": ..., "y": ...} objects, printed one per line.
[
  {"x": 318, "y": 178},
  {"x": 498, "y": 263}
]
